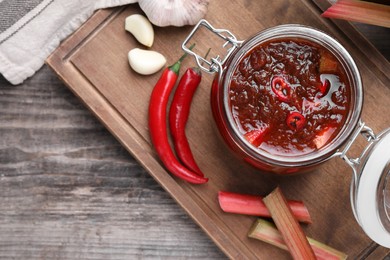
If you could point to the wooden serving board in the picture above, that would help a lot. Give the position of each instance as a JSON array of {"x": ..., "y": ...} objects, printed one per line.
[{"x": 93, "y": 64}]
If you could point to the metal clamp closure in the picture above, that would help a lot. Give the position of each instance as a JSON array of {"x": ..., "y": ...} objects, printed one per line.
[
  {"x": 367, "y": 133},
  {"x": 215, "y": 64}
]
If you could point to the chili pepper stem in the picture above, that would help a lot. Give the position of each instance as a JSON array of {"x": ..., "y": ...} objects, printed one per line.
[{"x": 176, "y": 66}]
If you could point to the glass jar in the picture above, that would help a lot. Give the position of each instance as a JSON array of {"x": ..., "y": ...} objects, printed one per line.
[
  {"x": 370, "y": 186},
  {"x": 224, "y": 118}
]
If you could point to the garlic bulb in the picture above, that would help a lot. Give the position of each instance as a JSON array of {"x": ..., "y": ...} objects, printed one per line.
[
  {"x": 146, "y": 62},
  {"x": 174, "y": 12},
  {"x": 141, "y": 29}
]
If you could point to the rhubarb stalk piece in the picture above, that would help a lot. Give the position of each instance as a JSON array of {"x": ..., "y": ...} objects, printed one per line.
[
  {"x": 267, "y": 232},
  {"x": 360, "y": 11},
  {"x": 288, "y": 226},
  {"x": 253, "y": 205}
]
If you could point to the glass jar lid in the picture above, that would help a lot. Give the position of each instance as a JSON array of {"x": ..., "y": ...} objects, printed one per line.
[{"x": 372, "y": 194}]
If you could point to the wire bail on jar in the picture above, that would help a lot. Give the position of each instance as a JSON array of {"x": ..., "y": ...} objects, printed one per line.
[
  {"x": 215, "y": 64},
  {"x": 367, "y": 133}
]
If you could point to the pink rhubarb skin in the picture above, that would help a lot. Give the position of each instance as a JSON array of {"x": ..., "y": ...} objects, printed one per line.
[
  {"x": 287, "y": 224},
  {"x": 254, "y": 206},
  {"x": 266, "y": 231},
  {"x": 324, "y": 136},
  {"x": 256, "y": 136},
  {"x": 360, "y": 11}
]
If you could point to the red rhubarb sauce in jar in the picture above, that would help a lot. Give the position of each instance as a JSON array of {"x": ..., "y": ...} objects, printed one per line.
[
  {"x": 289, "y": 96},
  {"x": 287, "y": 99}
]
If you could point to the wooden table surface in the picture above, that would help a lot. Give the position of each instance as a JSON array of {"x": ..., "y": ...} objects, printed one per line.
[{"x": 69, "y": 190}]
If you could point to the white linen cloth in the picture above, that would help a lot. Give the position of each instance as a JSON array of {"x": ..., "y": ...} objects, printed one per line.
[{"x": 31, "y": 29}]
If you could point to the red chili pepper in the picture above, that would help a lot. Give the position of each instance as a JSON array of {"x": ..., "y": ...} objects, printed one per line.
[
  {"x": 178, "y": 116},
  {"x": 295, "y": 121},
  {"x": 324, "y": 87},
  {"x": 281, "y": 89},
  {"x": 158, "y": 126}
]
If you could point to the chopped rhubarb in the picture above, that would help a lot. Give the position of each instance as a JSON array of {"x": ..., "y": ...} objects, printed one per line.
[
  {"x": 324, "y": 136},
  {"x": 256, "y": 136},
  {"x": 254, "y": 206},
  {"x": 287, "y": 224},
  {"x": 360, "y": 11},
  {"x": 328, "y": 64},
  {"x": 267, "y": 232}
]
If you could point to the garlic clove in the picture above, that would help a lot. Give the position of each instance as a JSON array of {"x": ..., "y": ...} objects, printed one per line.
[
  {"x": 139, "y": 26},
  {"x": 146, "y": 62},
  {"x": 174, "y": 12}
]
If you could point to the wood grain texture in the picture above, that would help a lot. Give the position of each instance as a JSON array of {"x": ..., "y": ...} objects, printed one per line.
[
  {"x": 69, "y": 190},
  {"x": 119, "y": 98}
]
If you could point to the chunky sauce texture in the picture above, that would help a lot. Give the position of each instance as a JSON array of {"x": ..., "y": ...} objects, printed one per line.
[{"x": 289, "y": 96}]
